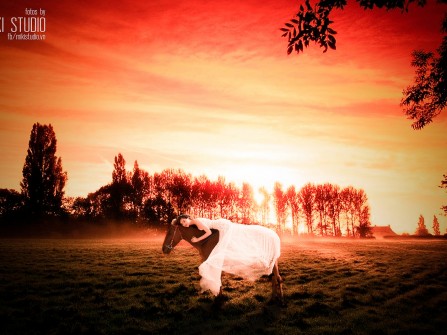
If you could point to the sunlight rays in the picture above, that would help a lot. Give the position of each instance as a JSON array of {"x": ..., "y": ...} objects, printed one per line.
[{"x": 208, "y": 88}]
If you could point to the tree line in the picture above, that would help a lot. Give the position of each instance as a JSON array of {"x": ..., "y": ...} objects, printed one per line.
[
  {"x": 138, "y": 196},
  {"x": 155, "y": 199},
  {"x": 422, "y": 230}
]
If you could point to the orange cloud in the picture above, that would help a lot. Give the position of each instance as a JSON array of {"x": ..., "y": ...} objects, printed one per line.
[{"x": 208, "y": 87}]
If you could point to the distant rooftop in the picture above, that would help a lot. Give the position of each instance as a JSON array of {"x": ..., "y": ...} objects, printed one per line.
[{"x": 382, "y": 231}]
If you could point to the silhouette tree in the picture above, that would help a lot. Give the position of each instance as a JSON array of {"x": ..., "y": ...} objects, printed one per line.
[
  {"x": 179, "y": 188},
  {"x": 119, "y": 205},
  {"x": 436, "y": 230},
  {"x": 231, "y": 200},
  {"x": 158, "y": 208},
  {"x": 11, "y": 204},
  {"x": 141, "y": 184},
  {"x": 280, "y": 202},
  {"x": 322, "y": 202},
  {"x": 226, "y": 197},
  {"x": 423, "y": 100},
  {"x": 43, "y": 178},
  {"x": 294, "y": 205},
  {"x": 247, "y": 204},
  {"x": 335, "y": 208},
  {"x": 82, "y": 208},
  {"x": 444, "y": 185},
  {"x": 348, "y": 200},
  {"x": 265, "y": 205},
  {"x": 427, "y": 97},
  {"x": 364, "y": 227},
  {"x": 203, "y": 198},
  {"x": 159, "y": 198},
  {"x": 117, "y": 200},
  {"x": 95, "y": 206},
  {"x": 361, "y": 208},
  {"x": 421, "y": 230},
  {"x": 306, "y": 197}
]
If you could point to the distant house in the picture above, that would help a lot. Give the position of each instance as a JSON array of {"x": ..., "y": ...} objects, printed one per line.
[{"x": 382, "y": 231}]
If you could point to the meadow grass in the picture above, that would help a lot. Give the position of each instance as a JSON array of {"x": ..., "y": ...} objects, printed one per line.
[{"x": 126, "y": 286}]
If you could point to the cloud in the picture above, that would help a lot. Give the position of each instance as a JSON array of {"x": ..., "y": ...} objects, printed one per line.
[{"x": 207, "y": 86}]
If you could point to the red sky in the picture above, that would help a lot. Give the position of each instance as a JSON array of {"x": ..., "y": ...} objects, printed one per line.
[{"x": 207, "y": 86}]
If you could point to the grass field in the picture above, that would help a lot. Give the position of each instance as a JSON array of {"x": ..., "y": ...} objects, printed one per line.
[{"x": 111, "y": 286}]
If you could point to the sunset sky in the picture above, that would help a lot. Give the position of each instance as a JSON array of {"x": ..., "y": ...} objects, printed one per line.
[{"x": 207, "y": 87}]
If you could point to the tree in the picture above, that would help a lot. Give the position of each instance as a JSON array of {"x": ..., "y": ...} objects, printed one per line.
[
  {"x": 157, "y": 210},
  {"x": 364, "y": 227},
  {"x": 227, "y": 197},
  {"x": 423, "y": 100},
  {"x": 436, "y": 230},
  {"x": 159, "y": 206},
  {"x": 120, "y": 191},
  {"x": 348, "y": 202},
  {"x": 280, "y": 203},
  {"x": 202, "y": 196},
  {"x": 320, "y": 206},
  {"x": 306, "y": 197},
  {"x": 246, "y": 203},
  {"x": 43, "y": 177},
  {"x": 427, "y": 97},
  {"x": 293, "y": 202},
  {"x": 265, "y": 205},
  {"x": 11, "y": 203},
  {"x": 231, "y": 199},
  {"x": 119, "y": 175},
  {"x": 94, "y": 207},
  {"x": 335, "y": 208},
  {"x": 361, "y": 211},
  {"x": 444, "y": 185},
  {"x": 179, "y": 187},
  {"x": 141, "y": 184},
  {"x": 421, "y": 230}
]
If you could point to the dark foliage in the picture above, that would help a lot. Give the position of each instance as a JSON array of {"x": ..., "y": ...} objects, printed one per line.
[
  {"x": 427, "y": 97},
  {"x": 11, "y": 204},
  {"x": 43, "y": 178},
  {"x": 444, "y": 185},
  {"x": 423, "y": 100},
  {"x": 140, "y": 198},
  {"x": 313, "y": 24}
]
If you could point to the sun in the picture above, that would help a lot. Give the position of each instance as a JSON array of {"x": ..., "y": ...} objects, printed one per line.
[
  {"x": 265, "y": 176},
  {"x": 302, "y": 229}
]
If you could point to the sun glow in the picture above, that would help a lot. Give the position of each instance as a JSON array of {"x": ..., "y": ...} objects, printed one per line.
[
  {"x": 235, "y": 106},
  {"x": 262, "y": 175},
  {"x": 302, "y": 228}
]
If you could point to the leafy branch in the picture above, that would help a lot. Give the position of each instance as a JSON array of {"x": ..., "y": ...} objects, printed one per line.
[
  {"x": 424, "y": 99},
  {"x": 312, "y": 23}
]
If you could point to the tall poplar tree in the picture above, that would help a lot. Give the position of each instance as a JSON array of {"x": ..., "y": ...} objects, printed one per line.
[
  {"x": 43, "y": 177},
  {"x": 422, "y": 228},
  {"x": 436, "y": 229},
  {"x": 120, "y": 190}
]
